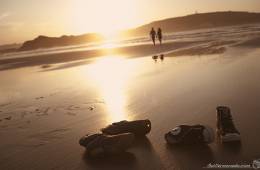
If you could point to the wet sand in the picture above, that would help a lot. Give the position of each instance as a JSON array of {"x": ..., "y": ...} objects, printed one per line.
[{"x": 45, "y": 110}]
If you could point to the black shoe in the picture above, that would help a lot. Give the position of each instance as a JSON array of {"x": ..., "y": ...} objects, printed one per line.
[
  {"x": 225, "y": 126},
  {"x": 100, "y": 144},
  {"x": 137, "y": 127},
  {"x": 186, "y": 134}
]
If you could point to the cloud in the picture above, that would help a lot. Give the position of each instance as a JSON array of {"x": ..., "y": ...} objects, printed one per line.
[
  {"x": 4, "y": 15},
  {"x": 7, "y": 24},
  {"x": 11, "y": 26}
]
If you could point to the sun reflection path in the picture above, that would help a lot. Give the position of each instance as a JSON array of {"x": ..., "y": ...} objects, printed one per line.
[{"x": 111, "y": 75}]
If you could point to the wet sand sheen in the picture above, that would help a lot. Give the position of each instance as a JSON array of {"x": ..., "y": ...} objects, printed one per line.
[
  {"x": 47, "y": 102},
  {"x": 51, "y": 110}
]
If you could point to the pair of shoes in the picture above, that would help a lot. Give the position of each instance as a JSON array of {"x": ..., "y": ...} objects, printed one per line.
[
  {"x": 199, "y": 134},
  {"x": 115, "y": 138}
]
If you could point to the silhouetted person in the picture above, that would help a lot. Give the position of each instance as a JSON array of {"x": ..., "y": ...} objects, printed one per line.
[
  {"x": 159, "y": 35},
  {"x": 153, "y": 34}
]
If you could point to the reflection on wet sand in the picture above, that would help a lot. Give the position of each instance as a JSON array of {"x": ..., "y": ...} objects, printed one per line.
[
  {"x": 141, "y": 155},
  {"x": 111, "y": 75},
  {"x": 155, "y": 57}
]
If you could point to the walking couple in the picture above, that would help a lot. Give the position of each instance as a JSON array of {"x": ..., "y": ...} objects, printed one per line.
[{"x": 153, "y": 35}]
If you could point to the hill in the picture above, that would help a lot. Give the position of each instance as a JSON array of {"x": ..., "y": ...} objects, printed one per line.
[
  {"x": 200, "y": 21},
  {"x": 189, "y": 22}
]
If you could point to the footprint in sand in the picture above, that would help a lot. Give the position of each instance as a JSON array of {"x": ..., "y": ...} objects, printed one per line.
[
  {"x": 23, "y": 114},
  {"x": 44, "y": 113},
  {"x": 44, "y": 138},
  {"x": 4, "y": 126},
  {"x": 71, "y": 114},
  {"x": 53, "y": 94},
  {"x": 39, "y": 98},
  {"x": 6, "y": 104},
  {"x": 73, "y": 107},
  {"x": 91, "y": 108},
  {"x": 25, "y": 125},
  {"x": 8, "y": 118},
  {"x": 50, "y": 135}
]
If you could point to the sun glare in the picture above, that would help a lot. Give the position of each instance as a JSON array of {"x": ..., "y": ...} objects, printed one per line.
[
  {"x": 104, "y": 17},
  {"x": 109, "y": 46},
  {"x": 111, "y": 75}
]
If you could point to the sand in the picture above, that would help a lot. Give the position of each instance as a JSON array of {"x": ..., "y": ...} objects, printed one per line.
[{"x": 48, "y": 103}]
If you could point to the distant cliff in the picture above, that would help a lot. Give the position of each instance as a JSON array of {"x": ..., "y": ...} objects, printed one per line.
[
  {"x": 189, "y": 22},
  {"x": 47, "y": 42}
]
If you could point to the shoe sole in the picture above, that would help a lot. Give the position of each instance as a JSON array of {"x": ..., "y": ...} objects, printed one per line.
[{"x": 230, "y": 138}]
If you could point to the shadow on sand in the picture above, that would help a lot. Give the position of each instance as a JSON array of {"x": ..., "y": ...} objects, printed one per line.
[
  {"x": 231, "y": 147},
  {"x": 146, "y": 155},
  {"x": 190, "y": 157},
  {"x": 228, "y": 147},
  {"x": 140, "y": 156},
  {"x": 125, "y": 160}
]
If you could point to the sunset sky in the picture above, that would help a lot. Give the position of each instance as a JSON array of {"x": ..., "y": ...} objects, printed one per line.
[{"x": 21, "y": 20}]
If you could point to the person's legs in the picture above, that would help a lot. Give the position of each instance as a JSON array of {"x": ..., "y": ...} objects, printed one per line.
[{"x": 153, "y": 41}]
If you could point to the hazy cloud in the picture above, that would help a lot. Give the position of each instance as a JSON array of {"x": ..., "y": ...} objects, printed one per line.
[
  {"x": 6, "y": 24},
  {"x": 4, "y": 15}
]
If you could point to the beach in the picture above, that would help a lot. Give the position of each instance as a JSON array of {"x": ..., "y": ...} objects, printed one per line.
[{"x": 50, "y": 99}]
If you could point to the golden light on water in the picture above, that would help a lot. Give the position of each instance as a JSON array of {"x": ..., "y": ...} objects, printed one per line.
[
  {"x": 111, "y": 75},
  {"x": 109, "y": 46}
]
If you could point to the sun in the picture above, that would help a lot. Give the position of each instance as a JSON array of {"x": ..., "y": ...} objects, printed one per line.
[
  {"x": 109, "y": 34},
  {"x": 103, "y": 16}
]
